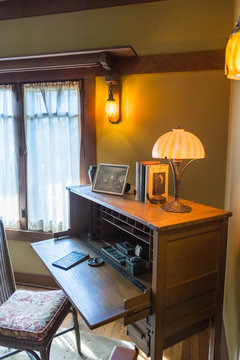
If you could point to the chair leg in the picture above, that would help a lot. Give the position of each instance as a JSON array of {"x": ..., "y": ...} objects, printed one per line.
[
  {"x": 32, "y": 355},
  {"x": 76, "y": 329},
  {"x": 45, "y": 352}
]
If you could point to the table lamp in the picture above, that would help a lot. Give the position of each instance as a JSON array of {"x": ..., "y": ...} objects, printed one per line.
[{"x": 177, "y": 145}]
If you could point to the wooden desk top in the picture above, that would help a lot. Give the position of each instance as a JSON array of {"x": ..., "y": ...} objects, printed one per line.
[
  {"x": 98, "y": 293},
  {"x": 150, "y": 214}
]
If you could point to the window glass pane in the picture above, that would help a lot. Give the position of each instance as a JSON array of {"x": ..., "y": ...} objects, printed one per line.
[
  {"x": 52, "y": 113},
  {"x": 9, "y": 194}
]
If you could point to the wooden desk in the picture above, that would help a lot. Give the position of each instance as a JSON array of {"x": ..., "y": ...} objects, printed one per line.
[{"x": 179, "y": 295}]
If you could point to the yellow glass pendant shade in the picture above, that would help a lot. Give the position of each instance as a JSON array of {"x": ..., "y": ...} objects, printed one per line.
[
  {"x": 111, "y": 109},
  {"x": 232, "y": 55}
]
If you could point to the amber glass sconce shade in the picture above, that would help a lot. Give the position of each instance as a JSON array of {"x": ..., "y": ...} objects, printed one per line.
[
  {"x": 176, "y": 146},
  {"x": 112, "y": 105},
  {"x": 232, "y": 55}
]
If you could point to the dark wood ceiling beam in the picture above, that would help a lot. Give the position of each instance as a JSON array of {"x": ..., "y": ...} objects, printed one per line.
[
  {"x": 67, "y": 60},
  {"x": 189, "y": 61},
  {"x": 11, "y": 9},
  {"x": 49, "y": 75},
  {"x": 49, "y": 63}
]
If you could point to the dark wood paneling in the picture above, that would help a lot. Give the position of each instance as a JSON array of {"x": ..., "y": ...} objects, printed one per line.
[
  {"x": 192, "y": 257},
  {"x": 36, "y": 280},
  {"x": 24, "y": 8},
  {"x": 189, "y": 289},
  {"x": 183, "y": 315},
  {"x": 189, "y": 61}
]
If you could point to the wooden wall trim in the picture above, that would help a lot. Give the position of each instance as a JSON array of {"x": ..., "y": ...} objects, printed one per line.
[
  {"x": 28, "y": 235},
  {"x": 91, "y": 58},
  {"x": 35, "y": 280},
  {"x": 25, "y": 8},
  {"x": 88, "y": 153},
  {"x": 49, "y": 75},
  {"x": 189, "y": 61}
]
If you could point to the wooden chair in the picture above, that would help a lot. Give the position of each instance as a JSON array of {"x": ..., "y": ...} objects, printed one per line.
[
  {"x": 29, "y": 320},
  {"x": 121, "y": 353}
]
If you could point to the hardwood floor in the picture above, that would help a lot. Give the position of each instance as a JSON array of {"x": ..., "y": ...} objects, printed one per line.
[{"x": 194, "y": 348}]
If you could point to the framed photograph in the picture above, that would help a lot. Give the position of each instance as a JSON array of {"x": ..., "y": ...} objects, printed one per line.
[
  {"x": 156, "y": 181},
  {"x": 110, "y": 178}
]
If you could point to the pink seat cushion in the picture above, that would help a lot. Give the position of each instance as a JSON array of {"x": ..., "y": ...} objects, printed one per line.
[{"x": 30, "y": 314}]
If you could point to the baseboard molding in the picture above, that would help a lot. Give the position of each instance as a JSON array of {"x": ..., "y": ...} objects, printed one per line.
[{"x": 35, "y": 280}]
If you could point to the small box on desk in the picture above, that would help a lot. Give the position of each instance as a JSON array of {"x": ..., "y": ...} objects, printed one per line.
[{"x": 135, "y": 265}]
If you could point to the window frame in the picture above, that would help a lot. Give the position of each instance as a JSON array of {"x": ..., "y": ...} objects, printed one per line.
[{"x": 87, "y": 139}]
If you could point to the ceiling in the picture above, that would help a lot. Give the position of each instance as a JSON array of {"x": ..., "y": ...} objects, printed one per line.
[{"x": 12, "y": 9}]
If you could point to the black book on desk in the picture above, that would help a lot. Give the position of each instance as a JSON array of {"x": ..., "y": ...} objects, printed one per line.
[{"x": 71, "y": 259}]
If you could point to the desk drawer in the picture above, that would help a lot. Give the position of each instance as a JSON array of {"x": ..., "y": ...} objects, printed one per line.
[{"x": 140, "y": 333}]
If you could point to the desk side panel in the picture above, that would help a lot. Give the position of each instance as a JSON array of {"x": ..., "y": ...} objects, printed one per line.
[{"x": 195, "y": 268}]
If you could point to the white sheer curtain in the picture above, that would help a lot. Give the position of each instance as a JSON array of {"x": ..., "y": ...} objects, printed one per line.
[
  {"x": 52, "y": 120},
  {"x": 9, "y": 193}
]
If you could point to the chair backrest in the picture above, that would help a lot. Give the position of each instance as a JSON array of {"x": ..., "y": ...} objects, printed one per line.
[{"x": 7, "y": 280}]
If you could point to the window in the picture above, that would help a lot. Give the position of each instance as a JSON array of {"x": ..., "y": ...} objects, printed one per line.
[{"x": 50, "y": 128}]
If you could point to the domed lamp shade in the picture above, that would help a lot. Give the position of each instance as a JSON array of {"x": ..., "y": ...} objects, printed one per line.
[
  {"x": 232, "y": 55},
  {"x": 177, "y": 145}
]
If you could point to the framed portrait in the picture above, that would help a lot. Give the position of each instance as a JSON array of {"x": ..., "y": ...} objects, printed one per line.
[
  {"x": 156, "y": 181},
  {"x": 110, "y": 178}
]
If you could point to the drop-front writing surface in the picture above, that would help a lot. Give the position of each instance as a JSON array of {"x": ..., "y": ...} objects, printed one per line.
[
  {"x": 97, "y": 293},
  {"x": 185, "y": 257}
]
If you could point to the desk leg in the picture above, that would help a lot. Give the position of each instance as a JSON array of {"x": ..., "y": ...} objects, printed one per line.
[
  {"x": 214, "y": 340},
  {"x": 156, "y": 342},
  {"x": 158, "y": 294}
]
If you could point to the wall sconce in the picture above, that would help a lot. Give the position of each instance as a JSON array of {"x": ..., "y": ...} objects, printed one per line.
[
  {"x": 175, "y": 146},
  {"x": 232, "y": 54},
  {"x": 112, "y": 106}
]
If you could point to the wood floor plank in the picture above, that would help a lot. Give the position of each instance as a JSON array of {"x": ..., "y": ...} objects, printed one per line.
[
  {"x": 186, "y": 349},
  {"x": 194, "y": 348},
  {"x": 203, "y": 345},
  {"x": 177, "y": 352}
]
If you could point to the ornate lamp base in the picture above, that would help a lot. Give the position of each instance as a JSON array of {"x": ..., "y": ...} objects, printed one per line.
[{"x": 176, "y": 206}]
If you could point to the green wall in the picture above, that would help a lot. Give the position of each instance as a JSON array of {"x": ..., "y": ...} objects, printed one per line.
[
  {"x": 154, "y": 104},
  {"x": 154, "y": 28}
]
